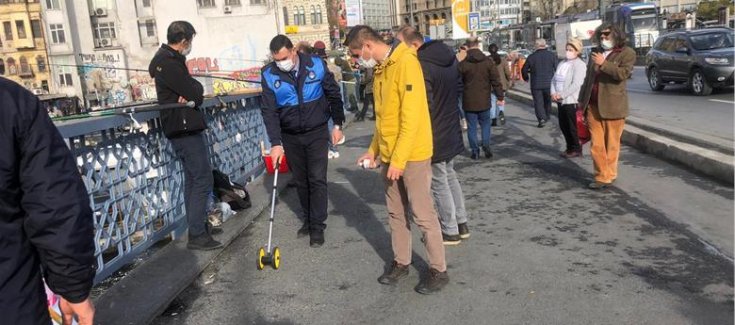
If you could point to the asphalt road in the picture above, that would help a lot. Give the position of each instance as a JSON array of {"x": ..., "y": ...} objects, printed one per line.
[
  {"x": 676, "y": 108},
  {"x": 544, "y": 249}
]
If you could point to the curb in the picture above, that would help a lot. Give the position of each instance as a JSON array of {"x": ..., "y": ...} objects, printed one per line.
[{"x": 712, "y": 159}]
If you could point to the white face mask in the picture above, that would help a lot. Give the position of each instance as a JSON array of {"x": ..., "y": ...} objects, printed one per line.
[
  {"x": 571, "y": 55},
  {"x": 367, "y": 64},
  {"x": 607, "y": 44},
  {"x": 187, "y": 50},
  {"x": 285, "y": 65}
]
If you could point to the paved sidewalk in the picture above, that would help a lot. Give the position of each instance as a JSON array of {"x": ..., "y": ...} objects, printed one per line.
[{"x": 544, "y": 250}]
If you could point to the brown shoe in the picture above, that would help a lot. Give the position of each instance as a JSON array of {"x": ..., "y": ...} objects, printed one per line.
[
  {"x": 598, "y": 185},
  {"x": 394, "y": 274},
  {"x": 571, "y": 154},
  {"x": 436, "y": 281}
]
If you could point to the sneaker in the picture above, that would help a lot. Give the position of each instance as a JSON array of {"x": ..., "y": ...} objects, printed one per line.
[
  {"x": 488, "y": 152},
  {"x": 571, "y": 154},
  {"x": 598, "y": 185},
  {"x": 303, "y": 231},
  {"x": 451, "y": 240},
  {"x": 501, "y": 117},
  {"x": 316, "y": 238},
  {"x": 333, "y": 154},
  {"x": 475, "y": 155},
  {"x": 203, "y": 242},
  {"x": 541, "y": 123},
  {"x": 436, "y": 281},
  {"x": 336, "y": 153},
  {"x": 464, "y": 230},
  {"x": 495, "y": 122},
  {"x": 394, "y": 274}
]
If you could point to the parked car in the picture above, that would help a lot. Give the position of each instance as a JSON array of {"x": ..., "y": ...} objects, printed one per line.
[{"x": 701, "y": 58}]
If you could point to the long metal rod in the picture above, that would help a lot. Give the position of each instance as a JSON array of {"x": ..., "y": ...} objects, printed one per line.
[{"x": 273, "y": 207}]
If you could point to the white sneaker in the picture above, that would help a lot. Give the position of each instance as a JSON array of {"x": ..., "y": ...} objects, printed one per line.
[
  {"x": 335, "y": 154},
  {"x": 330, "y": 155}
]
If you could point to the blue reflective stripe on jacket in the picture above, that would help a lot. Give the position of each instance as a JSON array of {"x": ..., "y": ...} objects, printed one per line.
[{"x": 286, "y": 92}]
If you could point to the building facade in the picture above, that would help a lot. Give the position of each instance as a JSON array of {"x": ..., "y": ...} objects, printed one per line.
[
  {"x": 427, "y": 14},
  {"x": 23, "y": 56},
  {"x": 100, "y": 49},
  {"x": 377, "y": 14},
  {"x": 498, "y": 13},
  {"x": 306, "y": 20}
]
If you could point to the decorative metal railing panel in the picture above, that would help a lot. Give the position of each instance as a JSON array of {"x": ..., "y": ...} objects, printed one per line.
[{"x": 135, "y": 182}]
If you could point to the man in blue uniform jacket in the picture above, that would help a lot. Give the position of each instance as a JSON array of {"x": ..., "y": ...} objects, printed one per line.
[{"x": 300, "y": 95}]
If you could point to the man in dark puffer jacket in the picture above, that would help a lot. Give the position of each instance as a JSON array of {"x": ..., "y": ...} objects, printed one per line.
[{"x": 443, "y": 82}]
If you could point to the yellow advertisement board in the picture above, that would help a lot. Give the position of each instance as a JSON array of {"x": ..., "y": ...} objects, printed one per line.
[
  {"x": 460, "y": 11},
  {"x": 292, "y": 29}
]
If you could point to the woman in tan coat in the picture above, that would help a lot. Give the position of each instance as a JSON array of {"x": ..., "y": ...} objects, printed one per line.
[{"x": 605, "y": 99}]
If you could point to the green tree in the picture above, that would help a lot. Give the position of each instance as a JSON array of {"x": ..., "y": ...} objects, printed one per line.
[{"x": 708, "y": 10}]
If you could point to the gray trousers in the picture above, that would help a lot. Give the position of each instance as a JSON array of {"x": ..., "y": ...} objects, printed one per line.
[
  {"x": 448, "y": 197},
  {"x": 198, "y": 179}
]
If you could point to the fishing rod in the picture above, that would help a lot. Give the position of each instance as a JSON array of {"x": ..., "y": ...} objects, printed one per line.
[{"x": 225, "y": 78}]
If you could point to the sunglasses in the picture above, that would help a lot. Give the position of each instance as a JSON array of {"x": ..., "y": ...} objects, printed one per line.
[{"x": 606, "y": 33}]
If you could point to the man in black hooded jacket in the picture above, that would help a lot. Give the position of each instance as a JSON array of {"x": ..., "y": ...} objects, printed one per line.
[
  {"x": 184, "y": 126},
  {"x": 443, "y": 83},
  {"x": 46, "y": 224}
]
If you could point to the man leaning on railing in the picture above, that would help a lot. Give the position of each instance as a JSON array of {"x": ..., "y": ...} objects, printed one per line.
[{"x": 183, "y": 127}]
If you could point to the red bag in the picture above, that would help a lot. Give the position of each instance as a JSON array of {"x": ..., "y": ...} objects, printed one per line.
[{"x": 582, "y": 131}]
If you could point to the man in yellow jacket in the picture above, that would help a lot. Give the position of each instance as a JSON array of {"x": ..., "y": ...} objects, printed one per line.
[{"x": 403, "y": 143}]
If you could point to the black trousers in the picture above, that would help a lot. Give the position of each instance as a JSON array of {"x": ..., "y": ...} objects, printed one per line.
[
  {"x": 198, "y": 179},
  {"x": 568, "y": 125},
  {"x": 542, "y": 103},
  {"x": 368, "y": 101},
  {"x": 307, "y": 159}
]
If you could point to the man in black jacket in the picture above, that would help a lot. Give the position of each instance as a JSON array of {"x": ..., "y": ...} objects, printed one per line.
[
  {"x": 183, "y": 127},
  {"x": 299, "y": 97},
  {"x": 541, "y": 65},
  {"x": 46, "y": 224},
  {"x": 441, "y": 75}
]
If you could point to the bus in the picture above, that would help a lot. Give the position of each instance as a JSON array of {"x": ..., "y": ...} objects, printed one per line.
[{"x": 639, "y": 21}]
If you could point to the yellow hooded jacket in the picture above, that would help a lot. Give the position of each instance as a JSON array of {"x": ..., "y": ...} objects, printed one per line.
[{"x": 403, "y": 124}]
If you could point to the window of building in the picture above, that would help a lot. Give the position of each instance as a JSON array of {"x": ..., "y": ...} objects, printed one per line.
[
  {"x": 319, "y": 14},
  {"x": 206, "y": 4},
  {"x": 12, "y": 69},
  {"x": 313, "y": 15},
  {"x": 25, "y": 68},
  {"x": 65, "y": 80},
  {"x": 36, "y": 28},
  {"x": 146, "y": 3},
  {"x": 104, "y": 30},
  {"x": 41, "y": 63},
  {"x": 256, "y": 2},
  {"x": 2, "y": 67},
  {"x": 52, "y": 4},
  {"x": 150, "y": 28},
  {"x": 232, "y": 2},
  {"x": 44, "y": 85},
  {"x": 285, "y": 16},
  {"x": 57, "y": 34},
  {"x": 21, "y": 27},
  {"x": 8, "y": 30}
]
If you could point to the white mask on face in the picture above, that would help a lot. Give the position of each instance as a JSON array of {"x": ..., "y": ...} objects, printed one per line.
[
  {"x": 187, "y": 50},
  {"x": 571, "y": 55},
  {"x": 285, "y": 65},
  {"x": 607, "y": 44},
  {"x": 367, "y": 64}
]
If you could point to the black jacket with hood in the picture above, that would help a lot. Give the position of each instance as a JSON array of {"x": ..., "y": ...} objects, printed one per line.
[
  {"x": 480, "y": 77},
  {"x": 168, "y": 69},
  {"x": 46, "y": 223},
  {"x": 443, "y": 84}
]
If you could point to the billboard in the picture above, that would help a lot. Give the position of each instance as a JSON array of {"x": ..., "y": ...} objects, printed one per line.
[
  {"x": 353, "y": 12},
  {"x": 460, "y": 19}
]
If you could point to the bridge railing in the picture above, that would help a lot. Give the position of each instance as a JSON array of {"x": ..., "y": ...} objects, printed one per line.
[{"x": 135, "y": 182}]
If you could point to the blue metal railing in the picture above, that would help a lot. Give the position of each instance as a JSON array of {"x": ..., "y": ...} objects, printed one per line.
[{"x": 135, "y": 181}]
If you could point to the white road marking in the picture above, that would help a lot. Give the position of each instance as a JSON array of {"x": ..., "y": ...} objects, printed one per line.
[{"x": 722, "y": 101}]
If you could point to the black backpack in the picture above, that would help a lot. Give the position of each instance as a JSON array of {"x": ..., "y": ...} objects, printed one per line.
[{"x": 232, "y": 193}]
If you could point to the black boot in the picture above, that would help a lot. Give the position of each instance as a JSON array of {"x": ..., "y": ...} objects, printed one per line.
[
  {"x": 316, "y": 238},
  {"x": 394, "y": 274},
  {"x": 303, "y": 231},
  {"x": 203, "y": 242},
  {"x": 488, "y": 152},
  {"x": 436, "y": 281}
]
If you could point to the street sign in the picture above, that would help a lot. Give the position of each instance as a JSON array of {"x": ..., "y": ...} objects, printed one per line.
[{"x": 474, "y": 21}]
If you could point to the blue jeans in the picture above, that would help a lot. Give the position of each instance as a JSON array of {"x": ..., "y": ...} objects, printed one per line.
[
  {"x": 494, "y": 107},
  {"x": 484, "y": 119}
]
